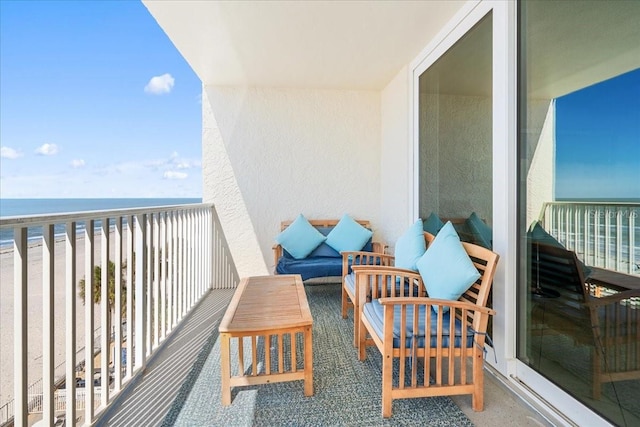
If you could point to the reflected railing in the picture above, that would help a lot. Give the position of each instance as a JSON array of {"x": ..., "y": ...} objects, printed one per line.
[
  {"x": 605, "y": 235},
  {"x": 152, "y": 265}
]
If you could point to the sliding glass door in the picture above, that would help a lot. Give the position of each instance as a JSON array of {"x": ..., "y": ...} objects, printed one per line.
[
  {"x": 455, "y": 132},
  {"x": 579, "y": 208}
]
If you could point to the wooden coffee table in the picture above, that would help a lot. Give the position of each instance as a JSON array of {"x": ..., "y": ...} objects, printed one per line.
[{"x": 265, "y": 306}]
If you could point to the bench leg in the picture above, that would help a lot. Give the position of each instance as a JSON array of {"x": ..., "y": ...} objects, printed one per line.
[
  {"x": 225, "y": 368},
  {"x": 308, "y": 362}
]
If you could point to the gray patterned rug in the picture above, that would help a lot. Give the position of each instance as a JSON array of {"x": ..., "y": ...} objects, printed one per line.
[{"x": 347, "y": 391}]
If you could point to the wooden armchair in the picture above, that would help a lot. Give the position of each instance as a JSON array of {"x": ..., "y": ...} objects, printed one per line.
[
  {"x": 609, "y": 326},
  {"x": 615, "y": 323},
  {"x": 358, "y": 260},
  {"x": 412, "y": 332}
]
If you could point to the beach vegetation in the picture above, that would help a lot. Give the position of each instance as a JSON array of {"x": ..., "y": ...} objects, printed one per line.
[{"x": 111, "y": 281}]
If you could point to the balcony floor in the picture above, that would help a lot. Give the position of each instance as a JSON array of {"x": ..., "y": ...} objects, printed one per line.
[{"x": 158, "y": 396}]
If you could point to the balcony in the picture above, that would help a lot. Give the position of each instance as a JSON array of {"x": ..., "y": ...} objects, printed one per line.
[{"x": 177, "y": 276}]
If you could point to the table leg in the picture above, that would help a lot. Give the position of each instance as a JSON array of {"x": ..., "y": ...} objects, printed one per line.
[
  {"x": 308, "y": 362},
  {"x": 225, "y": 368}
]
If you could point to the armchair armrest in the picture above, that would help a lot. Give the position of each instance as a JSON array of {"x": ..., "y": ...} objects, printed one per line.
[
  {"x": 277, "y": 253},
  {"x": 472, "y": 315},
  {"x": 376, "y": 281},
  {"x": 612, "y": 299},
  {"x": 364, "y": 258}
]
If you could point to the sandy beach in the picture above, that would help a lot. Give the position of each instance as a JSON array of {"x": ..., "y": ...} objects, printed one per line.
[{"x": 35, "y": 311}]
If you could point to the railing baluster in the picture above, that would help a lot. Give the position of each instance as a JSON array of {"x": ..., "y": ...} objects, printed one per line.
[
  {"x": 104, "y": 316},
  {"x": 170, "y": 274},
  {"x": 163, "y": 277},
  {"x": 156, "y": 281},
  {"x": 88, "y": 319},
  {"x": 140, "y": 288},
  {"x": 20, "y": 324},
  {"x": 48, "y": 282},
  {"x": 180, "y": 261},
  {"x": 148, "y": 283},
  {"x": 618, "y": 240},
  {"x": 633, "y": 268},
  {"x": 117, "y": 321},
  {"x": 131, "y": 265},
  {"x": 70, "y": 321}
]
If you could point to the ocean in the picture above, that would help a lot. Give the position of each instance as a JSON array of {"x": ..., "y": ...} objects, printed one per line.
[{"x": 26, "y": 207}]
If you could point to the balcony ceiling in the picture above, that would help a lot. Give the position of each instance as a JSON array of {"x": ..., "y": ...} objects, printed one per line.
[{"x": 324, "y": 44}]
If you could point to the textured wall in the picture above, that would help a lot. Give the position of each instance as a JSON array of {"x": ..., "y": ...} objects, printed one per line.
[
  {"x": 270, "y": 154},
  {"x": 396, "y": 162},
  {"x": 541, "y": 124},
  {"x": 456, "y": 156}
]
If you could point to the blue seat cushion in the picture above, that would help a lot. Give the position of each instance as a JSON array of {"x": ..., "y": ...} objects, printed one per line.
[
  {"x": 310, "y": 267},
  {"x": 374, "y": 312}
]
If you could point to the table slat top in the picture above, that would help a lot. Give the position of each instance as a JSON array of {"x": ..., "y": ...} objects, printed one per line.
[{"x": 267, "y": 302}]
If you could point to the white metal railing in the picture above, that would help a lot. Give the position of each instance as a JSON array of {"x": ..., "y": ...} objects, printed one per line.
[
  {"x": 603, "y": 235},
  {"x": 172, "y": 257}
]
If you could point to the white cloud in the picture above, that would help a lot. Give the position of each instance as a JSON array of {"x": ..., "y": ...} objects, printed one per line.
[
  {"x": 174, "y": 175},
  {"x": 47, "y": 150},
  {"x": 77, "y": 163},
  {"x": 160, "y": 84},
  {"x": 9, "y": 153}
]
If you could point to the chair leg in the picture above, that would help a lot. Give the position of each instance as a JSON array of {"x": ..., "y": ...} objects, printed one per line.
[
  {"x": 387, "y": 384},
  {"x": 356, "y": 322},
  {"x": 362, "y": 341},
  {"x": 597, "y": 385},
  {"x": 344, "y": 301},
  {"x": 477, "y": 398}
]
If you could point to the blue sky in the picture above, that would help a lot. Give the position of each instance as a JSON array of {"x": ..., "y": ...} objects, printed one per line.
[
  {"x": 598, "y": 140},
  {"x": 96, "y": 102}
]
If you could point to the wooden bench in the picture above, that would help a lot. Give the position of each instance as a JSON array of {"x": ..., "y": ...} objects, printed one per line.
[
  {"x": 330, "y": 261},
  {"x": 263, "y": 307}
]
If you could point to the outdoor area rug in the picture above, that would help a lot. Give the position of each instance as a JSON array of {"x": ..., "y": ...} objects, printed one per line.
[{"x": 347, "y": 391}]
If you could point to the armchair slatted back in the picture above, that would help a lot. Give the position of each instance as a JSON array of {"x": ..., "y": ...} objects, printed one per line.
[{"x": 478, "y": 294}]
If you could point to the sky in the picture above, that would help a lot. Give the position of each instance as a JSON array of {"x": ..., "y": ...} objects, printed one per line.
[
  {"x": 95, "y": 102},
  {"x": 598, "y": 140}
]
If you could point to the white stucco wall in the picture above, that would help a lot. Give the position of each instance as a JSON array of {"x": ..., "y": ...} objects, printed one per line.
[
  {"x": 541, "y": 124},
  {"x": 456, "y": 154},
  {"x": 270, "y": 154},
  {"x": 396, "y": 162}
]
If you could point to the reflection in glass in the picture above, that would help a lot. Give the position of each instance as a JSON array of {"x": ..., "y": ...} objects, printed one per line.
[{"x": 579, "y": 145}]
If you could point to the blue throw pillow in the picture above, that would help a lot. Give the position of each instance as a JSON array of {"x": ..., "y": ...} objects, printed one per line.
[
  {"x": 348, "y": 235},
  {"x": 300, "y": 238},
  {"x": 433, "y": 224},
  {"x": 446, "y": 269},
  {"x": 482, "y": 234},
  {"x": 539, "y": 235},
  {"x": 410, "y": 247}
]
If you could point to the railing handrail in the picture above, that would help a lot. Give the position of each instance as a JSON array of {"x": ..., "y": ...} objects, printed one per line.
[{"x": 41, "y": 219}]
